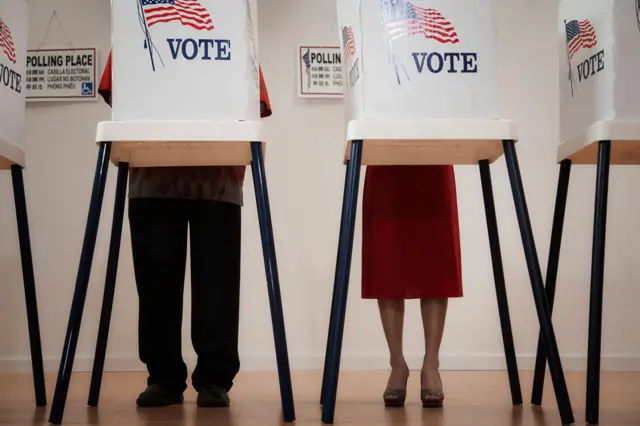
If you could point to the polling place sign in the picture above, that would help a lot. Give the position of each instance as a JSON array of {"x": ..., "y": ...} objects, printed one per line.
[
  {"x": 61, "y": 75},
  {"x": 320, "y": 72}
]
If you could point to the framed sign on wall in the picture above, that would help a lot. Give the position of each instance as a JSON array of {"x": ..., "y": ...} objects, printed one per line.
[
  {"x": 62, "y": 75},
  {"x": 320, "y": 72}
]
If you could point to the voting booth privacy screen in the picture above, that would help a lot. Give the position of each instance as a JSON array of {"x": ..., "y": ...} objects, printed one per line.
[
  {"x": 419, "y": 59},
  {"x": 599, "y": 53},
  {"x": 173, "y": 61},
  {"x": 13, "y": 49}
]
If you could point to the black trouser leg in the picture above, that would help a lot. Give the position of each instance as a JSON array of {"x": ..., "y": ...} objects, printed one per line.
[
  {"x": 82, "y": 283},
  {"x": 335, "y": 293},
  {"x": 159, "y": 246},
  {"x": 29, "y": 285},
  {"x": 343, "y": 270},
  {"x": 109, "y": 285},
  {"x": 597, "y": 284},
  {"x": 552, "y": 274},
  {"x": 273, "y": 280},
  {"x": 535, "y": 274},
  {"x": 215, "y": 236},
  {"x": 501, "y": 289}
]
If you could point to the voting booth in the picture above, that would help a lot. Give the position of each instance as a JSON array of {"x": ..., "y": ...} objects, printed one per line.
[
  {"x": 599, "y": 70},
  {"x": 422, "y": 81},
  {"x": 598, "y": 49},
  {"x": 192, "y": 87},
  {"x": 13, "y": 61},
  {"x": 185, "y": 92},
  {"x": 421, "y": 88}
]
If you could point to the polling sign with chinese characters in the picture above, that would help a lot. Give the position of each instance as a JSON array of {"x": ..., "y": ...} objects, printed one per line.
[
  {"x": 320, "y": 72},
  {"x": 61, "y": 75}
]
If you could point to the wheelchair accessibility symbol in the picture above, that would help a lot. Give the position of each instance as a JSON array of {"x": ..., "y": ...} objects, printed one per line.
[{"x": 87, "y": 88}]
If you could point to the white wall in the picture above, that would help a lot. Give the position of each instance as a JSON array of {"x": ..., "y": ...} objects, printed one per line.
[{"x": 305, "y": 180}]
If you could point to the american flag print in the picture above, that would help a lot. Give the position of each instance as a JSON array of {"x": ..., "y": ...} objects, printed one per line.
[
  {"x": 188, "y": 12},
  {"x": 403, "y": 19},
  {"x": 6, "y": 42},
  {"x": 349, "y": 42},
  {"x": 580, "y": 35},
  {"x": 307, "y": 63}
]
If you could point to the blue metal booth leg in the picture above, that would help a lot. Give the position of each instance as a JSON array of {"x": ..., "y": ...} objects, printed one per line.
[
  {"x": 335, "y": 293},
  {"x": 597, "y": 284},
  {"x": 501, "y": 289},
  {"x": 273, "y": 281},
  {"x": 552, "y": 274},
  {"x": 535, "y": 274},
  {"x": 82, "y": 282},
  {"x": 29, "y": 285},
  {"x": 109, "y": 285},
  {"x": 343, "y": 269}
]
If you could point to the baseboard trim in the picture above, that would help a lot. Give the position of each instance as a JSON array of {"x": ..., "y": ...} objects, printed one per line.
[{"x": 477, "y": 362}]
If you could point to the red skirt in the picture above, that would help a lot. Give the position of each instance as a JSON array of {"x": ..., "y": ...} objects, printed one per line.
[{"x": 411, "y": 238}]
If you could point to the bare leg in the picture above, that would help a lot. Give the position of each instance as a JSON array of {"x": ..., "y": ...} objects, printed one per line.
[
  {"x": 392, "y": 315},
  {"x": 434, "y": 312}
]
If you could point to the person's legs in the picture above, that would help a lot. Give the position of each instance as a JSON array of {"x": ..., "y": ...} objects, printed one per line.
[
  {"x": 215, "y": 232},
  {"x": 434, "y": 312},
  {"x": 159, "y": 244},
  {"x": 392, "y": 316}
]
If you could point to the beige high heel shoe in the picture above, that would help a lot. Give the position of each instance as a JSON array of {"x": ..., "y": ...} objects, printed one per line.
[
  {"x": 432, "y": 398},
  {"x": 396, "y": 397}
]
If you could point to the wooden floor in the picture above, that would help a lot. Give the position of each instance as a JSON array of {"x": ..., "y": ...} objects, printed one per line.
[{"x": 472, "y": 399}]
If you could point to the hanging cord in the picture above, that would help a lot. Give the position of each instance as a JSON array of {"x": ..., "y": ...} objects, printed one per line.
[{"x": 54, "y": 15}]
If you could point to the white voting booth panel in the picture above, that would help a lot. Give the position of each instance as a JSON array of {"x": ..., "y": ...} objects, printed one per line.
[
  {"x": 13, "y": 52},
  {"x": 422, "y": 75},
  {"x": 13, "y": 61},
  {"x": 185, "y": 83},
  {"x": 599, "y": 52}
]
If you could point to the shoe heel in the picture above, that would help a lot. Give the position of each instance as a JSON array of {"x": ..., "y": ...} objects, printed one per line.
[{"x": 396, "y": 397}]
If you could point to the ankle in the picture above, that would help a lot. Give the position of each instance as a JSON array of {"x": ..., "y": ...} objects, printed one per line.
[
  {"x": 397, "y": 362},
  {"x": 431, "y": 362}
]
